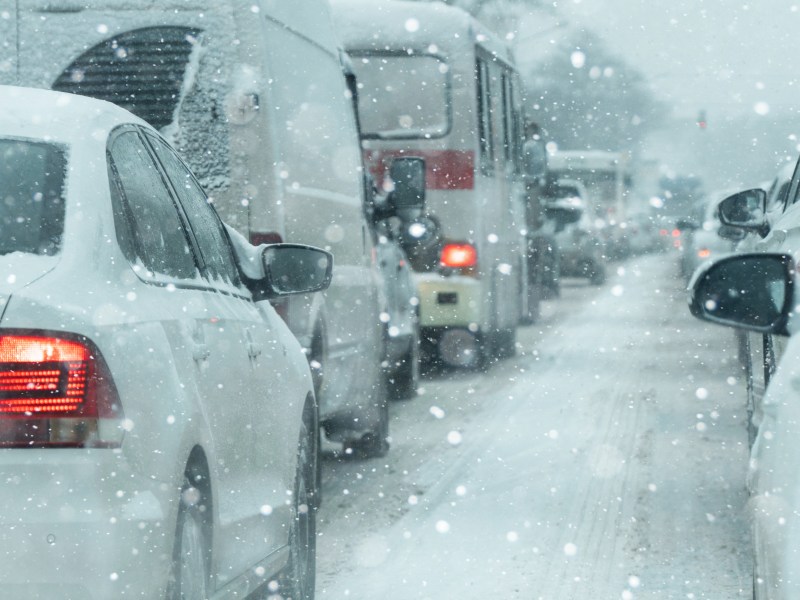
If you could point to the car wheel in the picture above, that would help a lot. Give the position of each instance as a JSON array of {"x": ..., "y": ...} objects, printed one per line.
[
  {"x": 404, "y": 381},
  {"x": 191, "y": 556},
  {"x": 505, "y": 343},
  {"x": 299, "y": 579},
  {"x": 597, "y": 274},
  {"x": 535, "y": 291},
  {"x": 374, "y": 444}
]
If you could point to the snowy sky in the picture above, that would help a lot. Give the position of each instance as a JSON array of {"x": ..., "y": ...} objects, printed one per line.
[{"x": 725, "y": 56}]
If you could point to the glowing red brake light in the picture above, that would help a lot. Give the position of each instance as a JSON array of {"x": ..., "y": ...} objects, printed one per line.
[
  {"x": 42, "y": 375},
  {"x": 55, "y": 391},
  {"x": 459, "y": 256}
]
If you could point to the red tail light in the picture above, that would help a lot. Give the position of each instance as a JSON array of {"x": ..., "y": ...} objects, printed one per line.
[
  {"x": 459, "y": 256},
  {"x": 56, "y": 391}
]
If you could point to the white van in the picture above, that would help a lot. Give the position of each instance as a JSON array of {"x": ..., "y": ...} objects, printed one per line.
[
  {"x": 434, "y": 83},
  {"x": 252, "y": 93}
]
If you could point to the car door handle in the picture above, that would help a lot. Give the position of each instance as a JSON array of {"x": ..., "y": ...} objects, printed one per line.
[{"x": 200, "y": 351}]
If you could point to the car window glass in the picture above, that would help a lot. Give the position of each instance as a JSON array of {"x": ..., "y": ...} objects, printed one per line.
[
  {"x": 794, "y": 186},
  {"x": 31, "y": 197},
  {"x": 205, "y": 223},
  {"x": 151, "y": 218}
]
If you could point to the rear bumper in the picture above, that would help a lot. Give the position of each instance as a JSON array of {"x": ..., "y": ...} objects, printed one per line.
[
  {"x": 80, "y": 524},
  {"x": 455, "y": 301}
]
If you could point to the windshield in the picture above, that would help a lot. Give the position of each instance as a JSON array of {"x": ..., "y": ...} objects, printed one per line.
[
  {"x": 402, "y": 96},
  {"x": 31, "y": 197}
]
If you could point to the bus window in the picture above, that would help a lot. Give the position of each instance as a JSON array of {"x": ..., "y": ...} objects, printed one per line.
[
  {"x": 402, "y": 96},
  {"x": 485, "y": 132}
]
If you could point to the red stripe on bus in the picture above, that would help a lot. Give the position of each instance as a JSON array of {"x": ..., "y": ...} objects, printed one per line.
[{"x": 445, "y": 169}]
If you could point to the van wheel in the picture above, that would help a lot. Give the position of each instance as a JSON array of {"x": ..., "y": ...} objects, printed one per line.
[
  {"x": 506, "y": 343},
  {"x": 298, "y": 581},
  {"x": 535, "y": 293},
  {"x": 404, "y": 381},
  {"x": 374, "y": 444},
  {"x": 596, "y": 273},
  {"x": 191, "y": 556}
]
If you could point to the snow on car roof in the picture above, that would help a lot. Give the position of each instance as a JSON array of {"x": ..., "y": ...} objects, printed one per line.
[{"x": 33, "y": 112}]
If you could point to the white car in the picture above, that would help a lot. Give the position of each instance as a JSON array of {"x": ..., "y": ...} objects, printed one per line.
[
  {"x": 758, "y": 292},
  {"x": 158, "y": 427}
]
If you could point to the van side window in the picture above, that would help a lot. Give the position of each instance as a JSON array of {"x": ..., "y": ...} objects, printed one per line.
[
  {"x": 206, "y": 225},
  {"x": 485, "y": 133},
  {"x": 153, "y": 235},
  {"x": 509, "y": 123}
]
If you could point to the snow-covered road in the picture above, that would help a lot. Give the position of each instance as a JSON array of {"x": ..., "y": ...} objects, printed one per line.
[{"x": 606, "y": 460}]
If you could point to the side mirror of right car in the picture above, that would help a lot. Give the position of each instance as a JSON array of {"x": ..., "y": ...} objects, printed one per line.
[
  {"x": 292, "y": 269},
  {"x": 408, "y": 196},
  {"x": 746, "y": 211},
  {"x": 748, "y": 291}
]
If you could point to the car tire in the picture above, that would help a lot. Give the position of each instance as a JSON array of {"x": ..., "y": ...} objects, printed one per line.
[
  {"x": 597, "y": 274},
  {"x": 404, "y": 381},
  {"x": 298, "y": 581},
  {"x": 191, "y": 560},
  {"x": 373, "y": 444},
  {"x": 535, "y": 291},
  {"x": 505, "y": 343}
]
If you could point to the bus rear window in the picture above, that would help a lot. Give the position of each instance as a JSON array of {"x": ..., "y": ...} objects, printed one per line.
[
  {"x": 402, "y": 96},
  {"x": 31, "y": 197}
]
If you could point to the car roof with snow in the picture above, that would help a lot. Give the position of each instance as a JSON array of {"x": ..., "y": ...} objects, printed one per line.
[{"x": 58, "y": 116}]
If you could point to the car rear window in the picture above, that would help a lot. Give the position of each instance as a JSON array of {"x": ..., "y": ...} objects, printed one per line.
[{"x": 32, "y": 178}]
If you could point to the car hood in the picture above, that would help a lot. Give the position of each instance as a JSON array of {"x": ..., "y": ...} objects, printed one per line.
[{"x": 18, "y": 270}]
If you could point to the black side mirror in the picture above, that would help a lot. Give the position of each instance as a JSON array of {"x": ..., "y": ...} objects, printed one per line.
[
  {"x": 292, "y": 269},
  {"x": 534, "y": 162},
  {"x": 563, "y": 215},
  {"x": 408, "y": 196},
  {"x": 746, "y": 211},
  {"x": 377, "y": 205},
  {"x": 687, "y": 225},
  {"x": 749, "y": 291}
]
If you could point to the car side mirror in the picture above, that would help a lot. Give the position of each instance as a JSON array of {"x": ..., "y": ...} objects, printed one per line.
[
  {"x": 408, "y": 196},
  {"x": 746, "y": 211},
  {"x": 534, "y": 162},
  {"x": 376, "y": 204},
  {"x": 563, "y": 215},
  {"x": 687, "y": 225},
  {"x": 292, "y": 269},
  {"x": 748, "y": 291}
]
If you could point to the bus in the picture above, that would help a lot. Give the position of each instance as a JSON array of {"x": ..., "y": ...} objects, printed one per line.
[{"x": 436, "y": 84}]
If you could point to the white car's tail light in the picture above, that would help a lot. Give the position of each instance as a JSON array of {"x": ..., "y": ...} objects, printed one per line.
[{"x": 56, "y": 391}]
